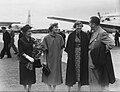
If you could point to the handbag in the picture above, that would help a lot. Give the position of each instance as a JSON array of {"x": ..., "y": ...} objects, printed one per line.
[
  {"x": 37, "y": 63},
  {"x": 45, "y": 70}
]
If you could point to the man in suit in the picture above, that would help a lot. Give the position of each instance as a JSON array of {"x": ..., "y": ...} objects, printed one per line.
[
  {"x": 99, "y": 57},
  {"x": 7, "y": 40}
]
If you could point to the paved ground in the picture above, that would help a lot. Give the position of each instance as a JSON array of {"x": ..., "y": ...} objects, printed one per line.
[{"x": 9, "y": 75}]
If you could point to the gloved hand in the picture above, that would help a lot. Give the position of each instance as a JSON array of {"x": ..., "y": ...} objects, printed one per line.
[{"x": 30, "y": 58}]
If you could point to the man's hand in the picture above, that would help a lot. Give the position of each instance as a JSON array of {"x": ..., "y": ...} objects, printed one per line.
[{"x": 91, "y": 66}]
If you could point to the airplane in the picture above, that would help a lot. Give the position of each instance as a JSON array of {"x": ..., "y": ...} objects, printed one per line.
[
  {"x": 8, "y": 23},
  {"x": 108, "y": 17},
  {"x": 110, "y": 28},
  {"x": 17, "y": 26}
]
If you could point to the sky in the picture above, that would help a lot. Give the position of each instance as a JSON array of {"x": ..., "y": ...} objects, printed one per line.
[{"x": 17, "y": 10}]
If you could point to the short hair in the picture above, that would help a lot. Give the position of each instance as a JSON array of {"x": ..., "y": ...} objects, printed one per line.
[
  {"x": 52, "y": 25},
  {"x": 77, "y": 23},
  {"x": 95, "y": 20},
  {"x": 3, "y": 27}
]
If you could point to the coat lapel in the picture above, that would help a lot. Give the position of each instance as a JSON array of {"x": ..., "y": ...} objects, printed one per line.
[{"x": 94, "y": 36}]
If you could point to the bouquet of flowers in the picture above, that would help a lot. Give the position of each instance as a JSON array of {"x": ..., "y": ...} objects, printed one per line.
[{"x": 38, "y": 49}]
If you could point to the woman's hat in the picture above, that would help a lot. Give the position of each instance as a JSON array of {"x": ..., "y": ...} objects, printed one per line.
[
  {"x": 25, "y": 28},
  {"x": 54, "y": 24}
]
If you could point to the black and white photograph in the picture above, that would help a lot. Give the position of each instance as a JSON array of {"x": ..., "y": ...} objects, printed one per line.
[{"x": 59, "y": 45}]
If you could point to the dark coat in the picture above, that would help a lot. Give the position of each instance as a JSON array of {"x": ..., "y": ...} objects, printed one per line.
[
  {"x": 103, "y": 64},
  {"x": 20, "y": 35},
  {"x": 6, "y": 49},
  {"x": 116, "y": 36},
  {"x": 70, "y": 49},
  {"x": 6, "y": 38},
  {"x": 26, "y": 47},
  {"x": 26, "y": 76}
]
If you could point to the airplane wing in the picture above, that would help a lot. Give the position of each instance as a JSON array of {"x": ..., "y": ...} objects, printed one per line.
[
  {"x": 107, "y": 27},
  {"x": 113, "y": 16},
  {"x": 8, "y": 23},
  {"x": 67, "y": 20}
]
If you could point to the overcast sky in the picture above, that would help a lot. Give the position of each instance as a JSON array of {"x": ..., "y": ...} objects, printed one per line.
[{"x": 17, "y": 10}]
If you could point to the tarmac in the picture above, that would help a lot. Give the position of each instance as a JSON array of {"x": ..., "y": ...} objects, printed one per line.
[{"x": 9, "y": 75}]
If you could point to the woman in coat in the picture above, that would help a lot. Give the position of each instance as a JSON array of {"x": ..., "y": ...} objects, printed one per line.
[
  {"x": 27, "y": 71},
  {"x": 77, "y": 63},
  {"x": 53, "y": 44}
]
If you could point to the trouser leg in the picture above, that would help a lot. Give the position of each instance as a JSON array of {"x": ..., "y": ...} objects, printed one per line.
[
  {"x": 2, "y": 52},
  {"x": 8, "y": 52},
  {"x": 118, "y": 43}
]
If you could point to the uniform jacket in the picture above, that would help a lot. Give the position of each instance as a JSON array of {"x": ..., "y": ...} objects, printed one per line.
[{"x": 6, "y": 38}]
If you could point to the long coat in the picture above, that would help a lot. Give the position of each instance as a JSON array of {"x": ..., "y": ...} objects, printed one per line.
[
  {"x": 98, "y": 57},
  {"x": 53, "y": 45},
  {"x": 26, "y": 76},
  {"x": 70, "y": 49},
  {"x": 103, "y": 64}
]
